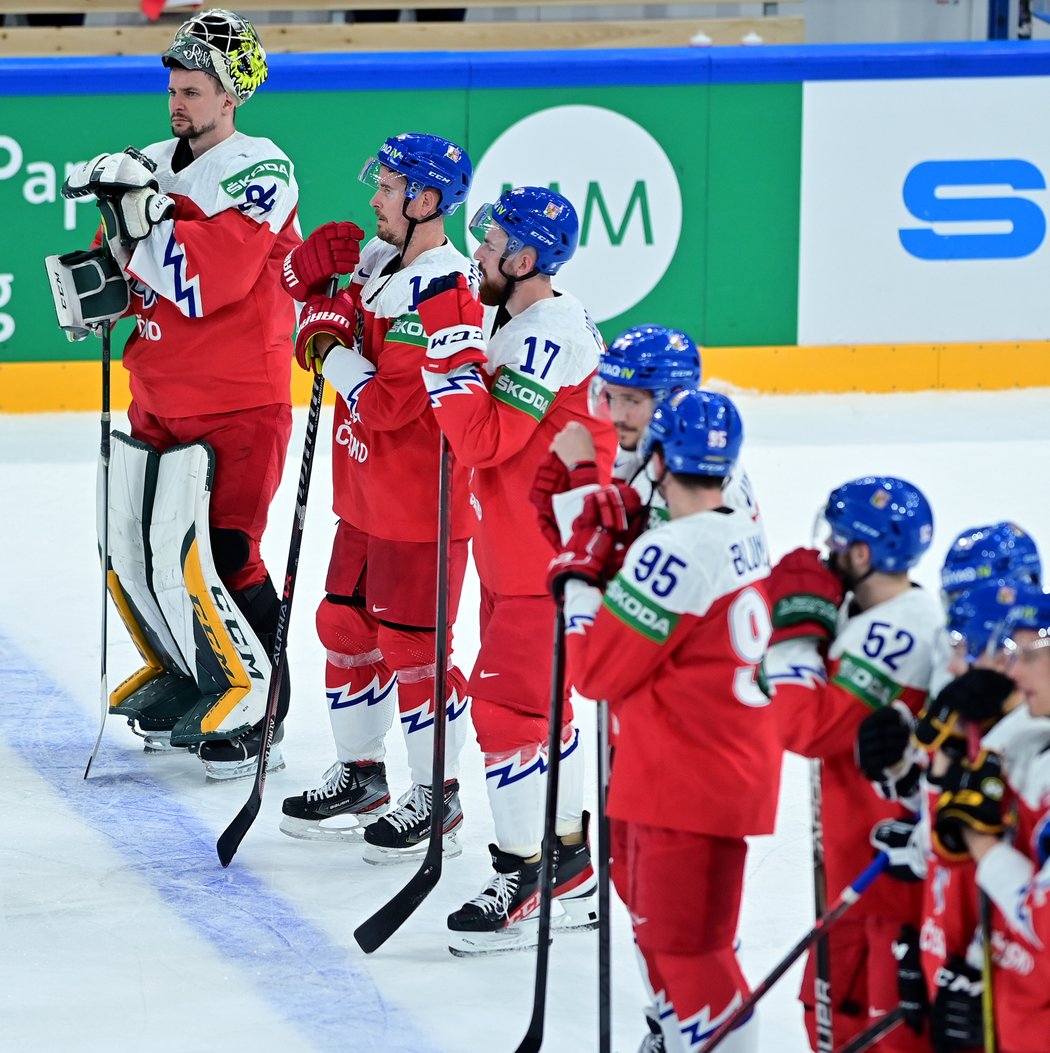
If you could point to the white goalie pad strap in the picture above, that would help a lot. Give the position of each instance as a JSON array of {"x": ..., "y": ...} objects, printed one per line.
[
  {"x": 88, "y": 289},
  {"x": 132, "y": 476},
  {"x": 229, "y": 661}
]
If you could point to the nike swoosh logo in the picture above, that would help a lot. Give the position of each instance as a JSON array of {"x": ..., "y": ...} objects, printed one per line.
[
  {"x": 377, "y": 610},
  {"x": 485, "y": 676}
]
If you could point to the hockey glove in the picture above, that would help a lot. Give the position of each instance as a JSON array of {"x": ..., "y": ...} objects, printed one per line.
[
  {"x": 972, "y": 799},
  {"x": 956, "y": 1017},
  {"x": 552, "y": 477},
  {"x": 592, "y": 556},
  {"x": 805, "y": 594},
  {"x": 618, "y": 508},
  {"x": 109, "y": 175},
  {"x": 884, "y": 753},
  {"x": 334, "y": 315},
  {"x": 978, "y": 696},
  {"x": 130, "y": 217},
  {"x": 334, "y": 248},
  {"x": 89, "y": 291},
  {"x": 901, "y": 840},
  {"x": 452, "y": 318},
  {"x": 911, "y": 984}
]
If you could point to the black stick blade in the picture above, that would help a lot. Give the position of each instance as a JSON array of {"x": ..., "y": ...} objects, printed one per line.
[
  {"x": 230, "y": 839},
  {"x": 373, "y": 933}
]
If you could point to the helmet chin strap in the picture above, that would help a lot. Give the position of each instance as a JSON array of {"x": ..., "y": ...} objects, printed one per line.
[{"x": 412, "y": 224}]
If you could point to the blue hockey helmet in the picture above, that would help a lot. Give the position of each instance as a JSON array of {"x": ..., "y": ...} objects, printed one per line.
[
  {"x": 978, "y": 616},
  {"x": 535, "y": 218},
  {"x": 1001, "y": 550},
  {"x": 425, "y": 161},
  {"x": 1031, "y": 610},
  {"x": 891, "y": 516},
  {"x": 696, "y": 432},
  {"x": 653, "y": 358}
]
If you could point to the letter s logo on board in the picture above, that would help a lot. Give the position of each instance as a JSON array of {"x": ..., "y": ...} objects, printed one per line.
[{"x": 923, "y": 200}]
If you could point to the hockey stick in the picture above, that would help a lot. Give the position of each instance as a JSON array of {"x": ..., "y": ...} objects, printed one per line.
[
  {"x": 604, "y": 853},
  {"x": 230, "y": 839},
  {"x": 870, "y": 1035},
  {"x": 823, "y": 1013},
  {"x": 534, "y": 1035},
  {"x": 846, "y": 898},
  {"x": 376, "y": 930},
  {"x": 984, "y": 912},
  {"x": 104, "y": 498}
]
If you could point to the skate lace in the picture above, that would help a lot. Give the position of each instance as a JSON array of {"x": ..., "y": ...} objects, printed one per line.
[
  {"x": 335, "y": 780},
  {"x": 496, "y": 896},
  {"x": 412, "y": 808}
]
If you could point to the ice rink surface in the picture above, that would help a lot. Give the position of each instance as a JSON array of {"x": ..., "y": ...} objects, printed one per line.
[{"x": 119, "y": 930}]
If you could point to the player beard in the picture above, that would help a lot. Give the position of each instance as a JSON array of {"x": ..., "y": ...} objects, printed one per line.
[
  {"x": 491, "y": 294},
  {"x": 193, "y": 131}
]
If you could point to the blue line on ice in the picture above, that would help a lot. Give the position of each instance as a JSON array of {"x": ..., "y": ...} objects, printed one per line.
[{"x": 307, "y": 979}]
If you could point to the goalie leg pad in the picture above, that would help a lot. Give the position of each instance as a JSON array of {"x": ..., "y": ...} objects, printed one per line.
[
  {"x": 228, "y": 660},
  {"x": 164, "y": 687}
]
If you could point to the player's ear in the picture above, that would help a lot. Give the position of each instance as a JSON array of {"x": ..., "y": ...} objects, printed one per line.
[{"x": 860, "y": 557}]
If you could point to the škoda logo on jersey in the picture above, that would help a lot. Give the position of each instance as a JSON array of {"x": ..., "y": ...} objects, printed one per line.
[
  {"x": 638, "y": 611},
  {"x": 237, "y": 184},
  {"x": 516, "y": 390}
]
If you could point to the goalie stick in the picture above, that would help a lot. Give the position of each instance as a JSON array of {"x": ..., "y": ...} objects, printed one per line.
[
  {"x": 846, "y": 898},
  {"x": 534, "y": 1034},
  {"x": 103, "y": 515},
  {"x": 376, "y": 930},
  {"x": 231, "y": 838}
]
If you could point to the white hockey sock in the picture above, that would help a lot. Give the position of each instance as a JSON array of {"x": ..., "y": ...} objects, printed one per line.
[
  {"x": 418, "y": 726},
  {"x": 570, "y": 783},
  {"x": 360, "y": 715},
  {"x": 517, "y": 785},
  {"x": 694, "y": 1033}
]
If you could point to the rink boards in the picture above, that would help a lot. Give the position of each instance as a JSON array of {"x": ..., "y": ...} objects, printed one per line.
[{"x": 868, "y": 218}]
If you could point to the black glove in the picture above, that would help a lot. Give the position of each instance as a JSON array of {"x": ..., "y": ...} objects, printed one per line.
[
  {"x": 978, "y": 696},
  {"x": 901, "y": 841},
  {"x": 972, "y": 798},
  {"x": 956, "y": 1018},
  {"x": 911, "y": 985},
  {"x": 882, "y": 745}
]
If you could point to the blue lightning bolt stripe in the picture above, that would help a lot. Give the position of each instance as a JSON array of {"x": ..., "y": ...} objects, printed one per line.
[
  {"x": 185, "y": 296},
  {"x": 464, "y": 384},
  {"x": 422, "y": 718},
  {"x": 369, "y": 697},
  {"x": 578, "y": 623},
  {"x": 350, "y": 398},
  {"x": 806, "y": 675},
  {"x": 513, "y": 771}
]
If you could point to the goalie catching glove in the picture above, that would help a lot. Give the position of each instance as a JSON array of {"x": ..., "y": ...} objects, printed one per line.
[
  {"x": 89, "y": 290},
  {"x": 130, "y": 217},
  {"x": 452, "y": 319}
]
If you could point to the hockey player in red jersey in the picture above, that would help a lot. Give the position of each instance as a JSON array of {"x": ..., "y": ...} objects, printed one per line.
[
  {"x": 500, "y": 402},
  {"x": 674, "y": 648},
  {"x": 200, "y": 225},
  {"x": 377, "y": 621},
  {"x": 1011, "y": 777},
  {"x": 829, "y": 668}
]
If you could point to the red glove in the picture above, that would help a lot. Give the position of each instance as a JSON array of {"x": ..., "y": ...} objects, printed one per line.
[
  {"x": 452, "y": 319},
  {"x": 335, "y": 315},
  {"x": 552, "y": 477},
  {"x": 592, "y": 555},
  {"x": 805, "y": 594},
  {"x": 617, "y": 507},
  {"x": 334, "y": 248}
]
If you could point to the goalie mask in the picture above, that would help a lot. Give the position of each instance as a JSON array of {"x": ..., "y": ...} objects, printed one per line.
[{"x": 223, "y": 45}]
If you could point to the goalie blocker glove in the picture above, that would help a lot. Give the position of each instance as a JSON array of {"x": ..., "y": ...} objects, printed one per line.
[{"x": 89, "y": 290}]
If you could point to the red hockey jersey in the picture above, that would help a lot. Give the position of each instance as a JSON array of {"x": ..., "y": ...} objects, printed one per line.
[
  {"x": 213, "y": 328},
  {"x": 536, "y": 381},
  {"x": 674, "y": 649},
  {"x": 385, "y": 439}
]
